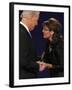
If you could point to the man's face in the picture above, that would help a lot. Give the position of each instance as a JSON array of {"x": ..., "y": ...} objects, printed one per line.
[{"x": 34, "y": 22}]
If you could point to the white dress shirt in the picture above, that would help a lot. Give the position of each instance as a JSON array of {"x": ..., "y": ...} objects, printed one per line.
[{"x": 26, "y": 28}]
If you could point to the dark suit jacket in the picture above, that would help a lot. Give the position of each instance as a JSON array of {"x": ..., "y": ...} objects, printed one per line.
[
  {"x": 54, "y": 54},
  {"x": 27, "y": 56}
]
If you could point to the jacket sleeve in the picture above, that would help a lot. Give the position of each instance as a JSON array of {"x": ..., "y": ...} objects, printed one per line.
[
  {"x": 26, "y": 58},
  {"x": 59, "y": 52}
]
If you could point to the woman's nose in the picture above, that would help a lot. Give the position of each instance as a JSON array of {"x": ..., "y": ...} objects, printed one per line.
[{"x": 43, "y": 30}]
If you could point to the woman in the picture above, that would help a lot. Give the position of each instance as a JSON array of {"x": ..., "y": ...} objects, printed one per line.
[{"x": 54, "y": 52}]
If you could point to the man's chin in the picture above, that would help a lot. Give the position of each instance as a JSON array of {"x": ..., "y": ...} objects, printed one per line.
[{"x": 32, "y": 29}]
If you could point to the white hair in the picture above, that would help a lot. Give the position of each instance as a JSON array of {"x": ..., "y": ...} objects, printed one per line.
[{"x": 28, "y": 13}]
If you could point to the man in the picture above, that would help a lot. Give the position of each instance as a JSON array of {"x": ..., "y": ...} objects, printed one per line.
[{"x": 28, "y": 65}]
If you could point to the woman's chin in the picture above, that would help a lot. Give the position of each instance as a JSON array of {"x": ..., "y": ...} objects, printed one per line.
[{"x": 44, "y": 37}]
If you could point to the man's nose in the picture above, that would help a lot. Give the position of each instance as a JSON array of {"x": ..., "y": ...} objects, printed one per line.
[{"x": 36, "y": 23}]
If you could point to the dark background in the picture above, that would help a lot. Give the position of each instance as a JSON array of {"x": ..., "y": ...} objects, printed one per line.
[{"x": 39, "y": 42}]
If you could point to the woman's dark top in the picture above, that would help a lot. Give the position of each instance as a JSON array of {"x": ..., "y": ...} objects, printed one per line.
[{"x": 54, "y": 54}]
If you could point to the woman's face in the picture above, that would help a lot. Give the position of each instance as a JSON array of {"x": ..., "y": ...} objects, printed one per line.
[{"x": 46, "y": 32}]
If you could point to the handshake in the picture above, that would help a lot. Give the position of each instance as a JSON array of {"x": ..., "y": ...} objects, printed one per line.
[{"x": 43, "y": 65}]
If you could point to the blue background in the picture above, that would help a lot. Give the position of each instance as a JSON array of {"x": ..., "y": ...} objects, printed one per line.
[{"x": 39, "y": 42}]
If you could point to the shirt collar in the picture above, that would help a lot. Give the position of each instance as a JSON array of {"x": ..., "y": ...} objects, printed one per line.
[{"x": 26, "y": 28}]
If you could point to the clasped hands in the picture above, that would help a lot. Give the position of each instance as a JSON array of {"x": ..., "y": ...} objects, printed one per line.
[{"x": 43, "y": 65}]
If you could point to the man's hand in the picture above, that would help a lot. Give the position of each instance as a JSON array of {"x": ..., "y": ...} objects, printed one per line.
[{"x": 44, "y": 65}]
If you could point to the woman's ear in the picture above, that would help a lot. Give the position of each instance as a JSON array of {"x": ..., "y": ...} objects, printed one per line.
[{"x": 52, "y": 32}]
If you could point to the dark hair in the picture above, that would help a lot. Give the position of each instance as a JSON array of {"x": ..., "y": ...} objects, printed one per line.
[{"x": 54, "y": 25}]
